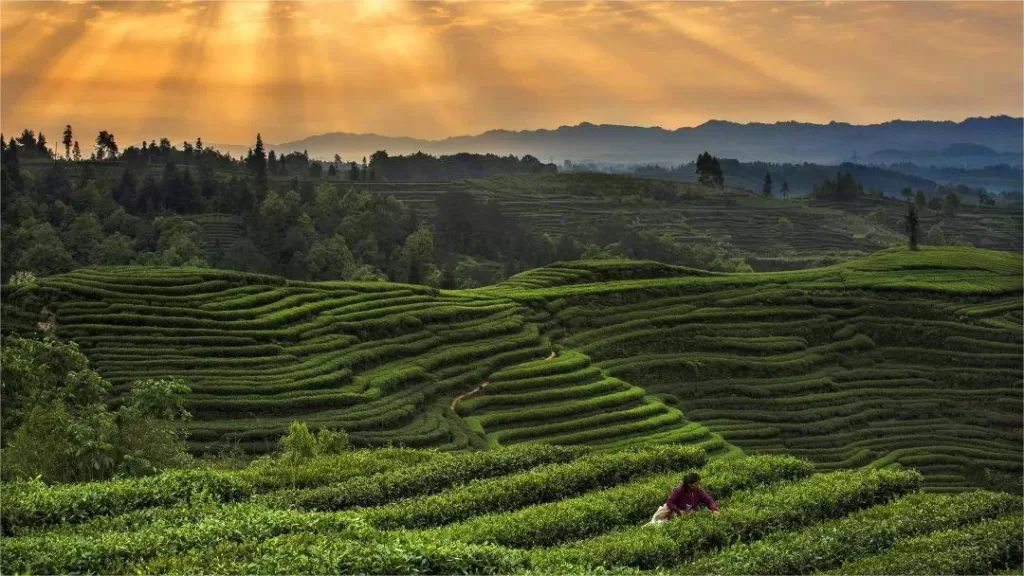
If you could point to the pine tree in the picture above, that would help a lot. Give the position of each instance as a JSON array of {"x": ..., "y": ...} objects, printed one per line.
[
  {"x": 69, "y": 138},
  {"x": 911, "y": 224},
  {"x": 766, "y": 188}
]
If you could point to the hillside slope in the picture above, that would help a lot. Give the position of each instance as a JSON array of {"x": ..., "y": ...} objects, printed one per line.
[
  {"x": 771, "y": 234},
  {"x": 533, "y": 509},
  {"x": 910, "y": 358}
]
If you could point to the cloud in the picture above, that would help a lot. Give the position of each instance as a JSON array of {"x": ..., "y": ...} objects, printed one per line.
[{"x": 226, "y": 70}]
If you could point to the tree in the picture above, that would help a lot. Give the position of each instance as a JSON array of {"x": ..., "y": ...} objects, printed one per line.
[
  {"x": 419, "y": 254},
  {"x": 68, "y": 139},
  {"x": 58, "y": 425},
  {"x": 785, "y": 190},
  {"x": 258, "y": 165},
  {"x": 76, "y": 152},
  {"x": 920, "y": 199},
  {"x": 766, "y": 188},
  {"x": 27, "y": 140},
  {"x": 364, "y": 167},
  {"x": 705, "y": 169},
  {"x": 353, "y": 172},
  {"x": 337, "y": 159},
  {"x": 907, "y": 193},
  {"x": 951, "y": 203},
  {"x": 105, "y": 145},
  {"x": 41, "y": 146},
  {"x": 911, "y": 224},
  {"x": 199, "y": 146}
]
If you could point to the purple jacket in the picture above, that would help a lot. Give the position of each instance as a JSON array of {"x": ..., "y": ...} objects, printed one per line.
[{"x": 683, "y": 500}]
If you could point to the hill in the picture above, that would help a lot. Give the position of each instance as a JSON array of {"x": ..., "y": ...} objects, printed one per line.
[
  {"x": 532, "y": 509},
  {"x": 890, "y": 180},
  {"x": 779, "y": 142},
  {"x": 900, "y": 357},
  {"x": 770, "y": 234}
]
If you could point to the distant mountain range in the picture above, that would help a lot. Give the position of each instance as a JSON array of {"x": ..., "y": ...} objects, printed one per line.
[{"x": 971, "y": 143}]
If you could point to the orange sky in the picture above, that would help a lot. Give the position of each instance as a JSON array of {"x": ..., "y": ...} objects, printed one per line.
[{"x": 225, "y": 70}]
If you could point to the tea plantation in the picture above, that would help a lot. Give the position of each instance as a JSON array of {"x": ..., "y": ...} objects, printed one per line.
[
  {"x": 535, "y": 425},
  {"x": 529, "y": 509},
  {"x": 770, "y": 234},
  {"x": 908, "y": 358}
]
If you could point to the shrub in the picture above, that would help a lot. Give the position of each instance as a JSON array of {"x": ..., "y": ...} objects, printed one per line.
[
  {"x": 748, "y": 517},
  {"x": 825, "y": 546},
  {"x": 426, "y": 478},
  {"x": 630, "y": 503},
  {"x": 542, "y": 484},
  {"x": 983, "y": 548}
]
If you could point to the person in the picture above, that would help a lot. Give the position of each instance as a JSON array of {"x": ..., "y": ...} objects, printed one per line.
[{"x": 685, "y": 498}]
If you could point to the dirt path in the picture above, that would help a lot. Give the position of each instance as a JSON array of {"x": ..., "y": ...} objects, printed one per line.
[{"x": 457, "y": 399}]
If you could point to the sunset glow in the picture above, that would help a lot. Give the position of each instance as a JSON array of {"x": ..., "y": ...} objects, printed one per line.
[{"x": 223, "y": 70}]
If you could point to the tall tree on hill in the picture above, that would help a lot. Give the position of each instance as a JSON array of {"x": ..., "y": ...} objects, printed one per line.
[
  {"x": 785, "y": 190},
  {"x": 69, "y": 138},
  {"x": 951, "y": 203},
  {"x": 258, "y": 165},
  {"x": 907, "y": 193},
  {"x": 717, "y": 177},
  {"x": 27, "y": 140},
  {"x": 766, "y": 188},
  {"x": 41, "y": 146},
  {"x": 353, "y": 172},
  {"x": 912, "y": 226},
  {"x": 199, "y": 146},
  {"x": 106, "y": 146},
  {"x": 76, "y": 151},
  {"x": 364, "y": 167},
  {"x": 705, "y": 172}
]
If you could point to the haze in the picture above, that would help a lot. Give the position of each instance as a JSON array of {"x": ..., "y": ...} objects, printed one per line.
[{"x": 226, "y": 70}]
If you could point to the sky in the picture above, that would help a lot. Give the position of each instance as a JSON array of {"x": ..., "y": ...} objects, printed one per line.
[{"x": 226, "y": 70}]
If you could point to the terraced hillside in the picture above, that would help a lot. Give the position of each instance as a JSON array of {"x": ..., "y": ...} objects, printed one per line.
[
  {"x": 528, "y": 509},
  {"x": 909, "y": 358},
  {"x": 770, "y": 234},
  {"x": 219, "y": 232}
]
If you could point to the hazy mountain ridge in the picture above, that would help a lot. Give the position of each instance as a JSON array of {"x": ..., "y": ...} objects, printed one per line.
[{"x": 946, "y": 142}]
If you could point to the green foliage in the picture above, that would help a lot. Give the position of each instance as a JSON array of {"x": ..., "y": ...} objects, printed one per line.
[
  {"x": 53, "y": 399},
  {"x": 911, "y": 224},
  {"x": 43, "y": 374},
  {"x": 543, "y": 484},
  {"x": 827, "y": 545},
  {"x": 935, "y": 236},
  {"x": 627, "y": 504},
  {"x": 979, "y": 549},
  {"x": 298, "y": 445},
  {"x": 426, "y": 478},
  {"x": 748, "y": 517},
  {"x": 775, "y": 518}
]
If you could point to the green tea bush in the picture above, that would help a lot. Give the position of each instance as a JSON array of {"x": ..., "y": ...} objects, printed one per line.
[
  {"x": 981, "y": 548},
  {"x": 357, "y": 552},
  {"x": 749, "y": 516},
  {"x": 419, "y": 480},
  {"x": 34, "y": 504},
  {"x": 827, "y": 545},
  {"x": 113, "y": 552},
  {"x": 629, "y": 503},
  {"x": 542, "y": 484}
]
